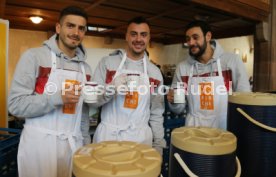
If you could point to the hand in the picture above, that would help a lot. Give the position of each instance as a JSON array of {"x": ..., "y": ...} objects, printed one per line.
[
  {"x": 170, "y": 96},
  {"x": 71, "y": 95}
]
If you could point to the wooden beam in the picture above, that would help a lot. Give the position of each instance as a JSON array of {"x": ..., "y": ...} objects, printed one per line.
[
  {"x": 168, "y": 12},
  {"x": 233, "y": 32},
  {"x": 236, "y": 8},
  {"x": 152, "y": 18},
  {"x": 273, "y": 48},
  {"x": 257, "y": 4},
  {"x": 95, "y": 4}
]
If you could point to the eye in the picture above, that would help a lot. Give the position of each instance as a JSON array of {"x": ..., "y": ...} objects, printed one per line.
[
  {"x": 195, "y": 37},
  {"x": 133, "y": 34},
  {"x": 144, "y": 34},
  {"x": 70, "y": 25},
  {"x": 82, "y": 28}
]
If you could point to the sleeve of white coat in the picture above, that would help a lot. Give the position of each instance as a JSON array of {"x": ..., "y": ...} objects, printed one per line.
[
  {"x": 100, "y": 77},
  {"x": 177, "y": 108},
  {"x": 157, "y": 119},
  {"x": 23, "y": 101},
  {"x": 239, "y": 77},
  {"x": 85, "y": 124},
  {"x": 85, "y": 120}
]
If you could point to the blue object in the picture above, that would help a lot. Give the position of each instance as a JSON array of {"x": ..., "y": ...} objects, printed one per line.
[
  {"x": 9, "y": 140},
  {"x": 256, "y": 147}
]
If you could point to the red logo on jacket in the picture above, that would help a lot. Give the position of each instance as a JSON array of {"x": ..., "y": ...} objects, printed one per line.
[
  {"x": 227, "y": 75},
  {"x": 42, "y": 79}
]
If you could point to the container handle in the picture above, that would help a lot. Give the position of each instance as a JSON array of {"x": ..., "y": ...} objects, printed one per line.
[
  {"x": 191, "y": 174},
  {"x": 183, "y": 165},
  {"x": 248, "y": 117},
  {"x": 238, "y": 174}
]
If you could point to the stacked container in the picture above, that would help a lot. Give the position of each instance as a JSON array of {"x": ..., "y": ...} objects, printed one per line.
[{"x": 116, "y": 159}]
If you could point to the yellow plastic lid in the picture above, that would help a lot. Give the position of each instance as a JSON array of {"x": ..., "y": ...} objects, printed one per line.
[
  {"x": 253, "y": 98},
  {"x": 204, "y": 140},
  {"x": 116, "y": 159}
]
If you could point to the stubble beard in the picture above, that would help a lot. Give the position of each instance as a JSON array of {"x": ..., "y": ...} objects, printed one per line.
[
  {"x": 68, "y": 45},
  {"x": 201, "y": 51}
]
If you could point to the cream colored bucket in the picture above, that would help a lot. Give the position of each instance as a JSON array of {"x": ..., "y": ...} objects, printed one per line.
[{"x": 116, "y": 159}]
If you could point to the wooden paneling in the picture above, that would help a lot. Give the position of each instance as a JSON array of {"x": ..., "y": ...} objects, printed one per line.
[
  {"x": 262, "y": 62},
  {"x": 2, "y": 8},
  {"x": 168, "y": 18},
  {"x": 237, "y": 8},
  {"x": 265, "y": 54},
  {"x": 273, "y": 47},
  {"x": 259, "y": 4}
]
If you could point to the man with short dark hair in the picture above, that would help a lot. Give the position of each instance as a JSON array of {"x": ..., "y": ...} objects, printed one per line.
[
  {"x": 46, "y": 92},
  {"x": 133, "y": 116},
  {"x": 209, "y": 75}
]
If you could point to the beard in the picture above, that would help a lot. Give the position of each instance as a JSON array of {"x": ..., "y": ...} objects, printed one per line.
[
  {"x": 201, "y": 51},
  {"x": 69, "y": 45}
]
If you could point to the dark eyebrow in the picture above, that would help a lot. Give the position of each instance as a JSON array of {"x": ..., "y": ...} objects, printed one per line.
[
  {"x": 195, "y": 35},
  {"x": 135, "y": 32},
  {"x": 69, "y": 23}
]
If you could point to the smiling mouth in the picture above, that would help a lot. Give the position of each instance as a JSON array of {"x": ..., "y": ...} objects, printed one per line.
[
  {"x": 194, "y": 48},
  {"x": 74, "y": 39},
  {"x": 138, "y": 45}
]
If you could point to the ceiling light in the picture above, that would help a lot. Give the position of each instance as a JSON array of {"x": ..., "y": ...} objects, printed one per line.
[
  {"x": 97, "y": 29},
  {"x": 36, "y": 19}
]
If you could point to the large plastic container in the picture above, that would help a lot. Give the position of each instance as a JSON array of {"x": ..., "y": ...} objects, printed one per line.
[
  {"x": 252, "y": 118},
  {"x": 204, "y": 152},
  {"x": 116, "y": 159}
]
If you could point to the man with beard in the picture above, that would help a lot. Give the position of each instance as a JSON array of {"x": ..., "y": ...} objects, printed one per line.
[
  {"x": 135, "y": 115},
  {"x": 46, "y": 92},
  {"x": 208, "y": 76}
]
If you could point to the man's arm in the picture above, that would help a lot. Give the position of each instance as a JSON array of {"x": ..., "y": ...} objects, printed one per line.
[
  {"x": 156, "y": 119},
  {"x": 175, "y": 108},
  {"x": 23, "y": 101},
  {"x": 100, "y": 78},
  {"x": 85, "y": 119}
]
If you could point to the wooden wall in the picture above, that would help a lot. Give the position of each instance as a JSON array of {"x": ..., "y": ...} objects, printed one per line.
[{"x": 265, "y": 53}]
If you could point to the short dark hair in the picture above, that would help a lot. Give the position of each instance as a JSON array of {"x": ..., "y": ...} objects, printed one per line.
[
  {"x": 138, "y": 20},
  {"x": 73, "y": 10},
  {"x": 204, "y": 26}
]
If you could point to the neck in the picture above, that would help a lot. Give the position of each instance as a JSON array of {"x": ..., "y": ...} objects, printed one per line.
[
  {"x": 207, "y": 55},
  {"x": 69, "y": 52}
]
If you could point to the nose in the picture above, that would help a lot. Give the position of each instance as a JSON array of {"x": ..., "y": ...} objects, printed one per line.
[
  {"x": 76, "y": 31},
  {"x": 191, "y": 42},
  {"x": 138, "y": 38}
]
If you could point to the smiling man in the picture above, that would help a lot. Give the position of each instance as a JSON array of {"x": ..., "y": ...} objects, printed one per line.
[
  {"x": 133, "y": 116},
  {"x": 56, "y": 119},
  {"x": 209, "y": 75}
]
